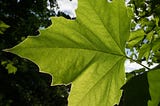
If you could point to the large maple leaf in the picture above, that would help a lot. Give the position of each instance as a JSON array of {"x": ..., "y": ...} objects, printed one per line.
[{"x": 88, "y": 51}]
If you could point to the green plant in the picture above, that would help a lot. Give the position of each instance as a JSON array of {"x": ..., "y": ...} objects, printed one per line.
[{"x": 88, "y": 52}]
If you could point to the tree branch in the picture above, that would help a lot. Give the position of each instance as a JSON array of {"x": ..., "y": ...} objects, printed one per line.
[{"x": 138, "y": 62}]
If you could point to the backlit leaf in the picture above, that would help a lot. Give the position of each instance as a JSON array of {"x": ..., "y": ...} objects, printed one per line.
[
  {"x": 144, "y": 51},
  {"x": 135, "y": 38},
  {"x": 88, "y": 51}
]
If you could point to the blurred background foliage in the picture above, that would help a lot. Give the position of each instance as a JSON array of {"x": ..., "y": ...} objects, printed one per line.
[
  {"x": 144, "y": 42},
  {"x": 21, "y": 83},
  {"x": 142, "y": 87}
]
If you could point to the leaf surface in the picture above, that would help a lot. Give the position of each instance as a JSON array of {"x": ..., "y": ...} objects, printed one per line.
[
  {"x": 154, "y": 85},
  {"x": 136, "y": 90},
  {"x": 88, "y": 51},
  {"x": 135, "y": 38},
  {"x": 144, "y": 51}
]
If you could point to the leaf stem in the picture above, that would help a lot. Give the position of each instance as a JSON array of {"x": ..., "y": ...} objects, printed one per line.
[{"x": 138, "y": 62}]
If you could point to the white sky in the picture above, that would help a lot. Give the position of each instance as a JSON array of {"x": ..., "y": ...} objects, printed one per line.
[
  {"x": 69, "y": 7},
  {"x": 134, "y": 66}
]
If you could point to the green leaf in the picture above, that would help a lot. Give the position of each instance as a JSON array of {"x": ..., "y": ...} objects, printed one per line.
[
  {"x": 3, "y": 27},
  {"x": 154, "y": 87},
  {"x": 88, "y": 51},
  {"x": 9, "y": 66},
  {"x": 150, "y": 36},
  {"x": 135, "y": 38},
  {"x": 156, "y": 45},
  {"x": 144, "y": 51},
  {"x": 157, "y": 20},
  {"x": 142, "y": 89},
  {"x": 136, "y": 91}
]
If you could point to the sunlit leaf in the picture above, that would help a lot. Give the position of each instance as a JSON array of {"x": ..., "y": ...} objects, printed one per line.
[
  {"x": 150, "y": 36},
  {"x": 88, "y": 51},
  {"x": 135, "y": 38},
  {"x": 156, "y": 45},
  {"x": 144, "y": 51}
]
